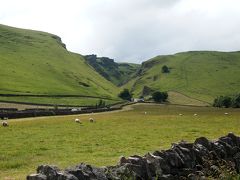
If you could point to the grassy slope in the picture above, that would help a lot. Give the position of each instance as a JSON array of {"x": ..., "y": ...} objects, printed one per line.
[
  {"x": 200, "y": 75},
  {"x": 66, "y": 101},
  {"x": 127, "y": 70},
  {"x": 36, "y": 63},
  {"x": 60, "y": 141}
]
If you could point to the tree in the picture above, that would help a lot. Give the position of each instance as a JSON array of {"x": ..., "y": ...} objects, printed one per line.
[
  {"x": 223, "y": 101},
  {"x": 160, "y": 96},
  {"x": 165, "y": 69},
  {"x": 236, "y": 101},
  {"x": 125, "y": 94}
]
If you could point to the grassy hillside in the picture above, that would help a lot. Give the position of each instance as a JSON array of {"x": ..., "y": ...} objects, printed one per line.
[
  {"x": 34, "y": 62},
  {"x": 117, "y": 73},
  {"x": 200, "y": 75}
]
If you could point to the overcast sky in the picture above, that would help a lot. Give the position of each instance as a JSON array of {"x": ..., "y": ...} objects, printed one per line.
[{"x": 131, "y": 30}]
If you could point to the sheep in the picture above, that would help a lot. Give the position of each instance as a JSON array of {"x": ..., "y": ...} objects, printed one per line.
[
  {"x": 180, "y": 114},
  {"x": 195, "y": 114},
  {"x": 226, "y": 113},
  {"x": 91, "y": 120},
  {"x": 77, "y": 121},
  {"x": 145, "y": 112},
  {"x": 4, "y": 123}
]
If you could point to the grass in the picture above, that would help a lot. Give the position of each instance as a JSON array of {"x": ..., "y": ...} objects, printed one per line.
[
  {"x": 25, "y": 144},
  {"x": 199, "y": 75},
  {"x": 178, "y": 98},
  {"x": 34, "y": 62},
  {"x": 67, "y": 101}
]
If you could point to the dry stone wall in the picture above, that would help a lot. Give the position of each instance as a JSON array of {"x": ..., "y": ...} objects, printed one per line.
[{"x": 199, "y": 160}]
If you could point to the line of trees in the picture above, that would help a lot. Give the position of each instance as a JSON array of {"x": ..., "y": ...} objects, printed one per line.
[
  {"x": 157, "y": 96},
  {"x": 227, "y": 101}
]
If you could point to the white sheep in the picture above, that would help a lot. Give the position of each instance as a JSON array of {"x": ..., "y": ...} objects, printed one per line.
[
  {"x": 4, "y": 123},
  {"x": 77, "y": 121},
  {"x": 91, "y": 120},
  {"x": 180, "y": 114},
  {"x": 145, "y": 112},
  {"x": 226, "y": 113},
  {"x": 195, "y": 114}
]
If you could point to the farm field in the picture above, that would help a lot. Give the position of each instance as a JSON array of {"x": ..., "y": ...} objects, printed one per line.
[
  {"x": 27, "y": 143},
  {"x": 66, "y": 101}
]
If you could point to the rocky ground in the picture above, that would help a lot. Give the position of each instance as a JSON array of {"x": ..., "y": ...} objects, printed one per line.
[{"x": 202, "y": 159}]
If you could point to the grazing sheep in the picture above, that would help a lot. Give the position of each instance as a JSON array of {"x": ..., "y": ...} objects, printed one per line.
[
  {"x": 145, "y": 112},
  {"x": 226, "y": 113},
  {"x": 77, "y": 121},
  {"x": 195, "y": 114},
  {"x": 4, "y": 123},
  {"x": 91, "y": 120},
  {"x": 180, "y": 114}
]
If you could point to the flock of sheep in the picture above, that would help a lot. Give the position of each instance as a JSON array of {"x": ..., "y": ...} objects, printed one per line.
[
  {"x": 91, "y": 120},
  {"x": 197, "y": 114}
]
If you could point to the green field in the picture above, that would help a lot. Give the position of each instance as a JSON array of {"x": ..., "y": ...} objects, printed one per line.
[
  {"x": 201, "y": 75},
  {"x": 66, "y": 101},
  {"x": 25, "y": 144},
  {"x": 34, "y": 62}
]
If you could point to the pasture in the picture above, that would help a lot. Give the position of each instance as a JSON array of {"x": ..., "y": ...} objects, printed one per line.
[{"x": 27, "y": 143}]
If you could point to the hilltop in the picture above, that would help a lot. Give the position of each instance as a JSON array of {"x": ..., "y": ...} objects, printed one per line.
[
  {"x": 198, "y": 75},
  {"x": 38, "y": 63}
]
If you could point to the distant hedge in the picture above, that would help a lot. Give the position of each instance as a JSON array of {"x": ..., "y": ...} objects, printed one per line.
[{"x": 227, "y": 101}]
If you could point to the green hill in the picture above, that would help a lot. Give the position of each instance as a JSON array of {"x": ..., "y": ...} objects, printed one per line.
[
  {"x": 34, "y": 62},
  {"x": 117, "y": 73},
  {"x": 201, "y": 75},
  {"x": 38, "y": 63}
]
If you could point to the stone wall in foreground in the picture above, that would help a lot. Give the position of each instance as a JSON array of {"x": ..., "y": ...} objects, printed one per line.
[{"x": 199, "y": 160}]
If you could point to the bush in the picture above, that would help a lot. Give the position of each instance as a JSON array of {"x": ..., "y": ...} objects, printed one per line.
[
  {"x": 125, "y": 94},
  {"x": 160, "y": 96},
  {"x": 236, "y": 101}
]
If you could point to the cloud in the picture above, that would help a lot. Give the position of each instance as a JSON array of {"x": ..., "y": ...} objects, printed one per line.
[{"x": 133, "y": 30}]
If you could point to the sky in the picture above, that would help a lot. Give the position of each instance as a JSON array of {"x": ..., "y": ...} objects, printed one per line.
[{"x": 131, "y": 30}]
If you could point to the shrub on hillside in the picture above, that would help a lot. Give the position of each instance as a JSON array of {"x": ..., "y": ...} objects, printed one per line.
[
  {"x": 165, "y": 69},
  {"x": 125, "y": 94},
  {"x": 160, "y": 96},
  {"x": 101, "y": 104}
]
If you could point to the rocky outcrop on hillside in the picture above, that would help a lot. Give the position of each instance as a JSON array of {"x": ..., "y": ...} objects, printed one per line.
[
  {"x": 117, "y": 73},
  {"x": 199, "y": 160}
]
